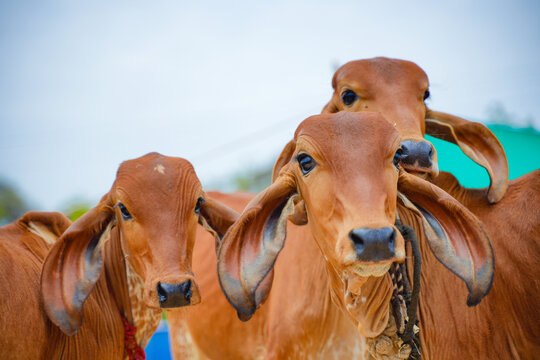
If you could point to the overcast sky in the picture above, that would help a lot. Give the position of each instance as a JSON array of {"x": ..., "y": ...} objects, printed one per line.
[{"x": 86, "y": 85}]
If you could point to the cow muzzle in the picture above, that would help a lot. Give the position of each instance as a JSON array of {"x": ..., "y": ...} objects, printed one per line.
[
  {"x": 419, "y": 157},
  {"x": 172, "y": 291},
  {"x": 374, "y": 245},
  {"x": 174, "y": 295}
]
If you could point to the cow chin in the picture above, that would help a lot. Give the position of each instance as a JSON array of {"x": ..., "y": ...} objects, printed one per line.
[
  {"x": 365, "y": 270},
  {"x": 425, "y": 173}
]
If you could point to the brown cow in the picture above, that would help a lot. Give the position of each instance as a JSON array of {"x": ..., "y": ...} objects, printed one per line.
[
  {"x": 125, "y": 260},
  {"x": 398, "y": 89},
  {"x": 508, "y": 321},
  {"x": 330, "y": 284},
  {"x": 23, "y": 247}
]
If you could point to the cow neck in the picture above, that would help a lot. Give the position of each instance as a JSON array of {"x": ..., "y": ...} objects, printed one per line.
[
  {"x": 127, "y": 288},
  {"x": 330, "y": 330},
  {"x": 351, "y": 299}
]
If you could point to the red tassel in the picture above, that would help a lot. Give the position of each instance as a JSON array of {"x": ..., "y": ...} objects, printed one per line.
[{"x": 131, "y": 349}]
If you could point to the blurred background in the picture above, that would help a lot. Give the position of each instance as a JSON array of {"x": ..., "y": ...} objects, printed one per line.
[{"x": 86, "y": 85}]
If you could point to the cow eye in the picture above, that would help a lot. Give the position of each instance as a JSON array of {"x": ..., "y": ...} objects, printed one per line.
[
  {"x": 306, "y": 163},
  {"x": 126, "y": 215},
  {"x": 397, "y": 157},
  {"x": 426, "y": 95},
  {"x": 348, "y": 97},
  {"x": 198, "y": 205}
]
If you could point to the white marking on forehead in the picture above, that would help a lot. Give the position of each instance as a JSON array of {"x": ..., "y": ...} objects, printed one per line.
[{"x": 160, "y": 168}]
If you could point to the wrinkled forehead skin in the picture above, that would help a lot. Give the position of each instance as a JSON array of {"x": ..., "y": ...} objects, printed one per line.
[
  {"x": 156, "y": 188},
  {"x": 349, "y": 141},
  {"x": 392, "y": 86},
  {"x": 380, "y": 73}
]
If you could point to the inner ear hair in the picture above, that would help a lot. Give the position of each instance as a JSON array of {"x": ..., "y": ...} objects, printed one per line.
[
  {"x": 299, "y": 215},
  {"x": 216, "y": 217}
]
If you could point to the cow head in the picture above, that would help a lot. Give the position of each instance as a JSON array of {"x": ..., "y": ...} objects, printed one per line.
[
  {"x": 398, "y": 89},
  {"x": 340, "y": 174},
  {"x": 152, "y": 210}
]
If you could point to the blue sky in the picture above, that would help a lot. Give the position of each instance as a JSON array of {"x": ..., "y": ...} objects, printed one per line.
[{"x": 86, "y": 85}]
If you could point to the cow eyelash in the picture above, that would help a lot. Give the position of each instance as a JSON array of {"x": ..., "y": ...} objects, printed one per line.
[
  {"x": 397, "y": 157},
  {"x": 198, "y": 205},
  {"x": 126, "y": 215}
]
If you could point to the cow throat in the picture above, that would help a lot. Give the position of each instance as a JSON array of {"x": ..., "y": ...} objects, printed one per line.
[{"x": 145, "y": 319}]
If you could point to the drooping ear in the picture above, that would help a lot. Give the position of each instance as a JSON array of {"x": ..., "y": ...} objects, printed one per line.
[
  {"x": 330, "y": 108},
  {"x": 73, "y": 266},
  {"x": 478, "y": 143},
  {"x": 216, "y": 217},
  {"x": 299, "y": 215},
  {"x": 47, "y": 225},
  {"x": 249, "y": 249},
  {"x": 455, "y": 235},
  {"x": 284, "y": 158}
]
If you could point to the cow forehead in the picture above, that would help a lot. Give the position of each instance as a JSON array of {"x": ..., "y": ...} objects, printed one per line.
[
  {"x": 154, "y": 176},
  {"x": 347, "y": 134},
  {"x": 378, "y": 71}
]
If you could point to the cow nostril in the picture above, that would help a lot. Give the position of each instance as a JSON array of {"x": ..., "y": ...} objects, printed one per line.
[
  {"x": 404, "y": 148},
  {"x": 357, "y": 241},
  {"x": 162, "y": 294},
  {"x": 187, "y": 289},
  {"x": 430, "y": 154},
  {"x": 392, "y": 240}
]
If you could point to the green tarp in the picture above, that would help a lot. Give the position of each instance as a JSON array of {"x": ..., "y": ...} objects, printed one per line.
[{"x": 522, "y": 148}]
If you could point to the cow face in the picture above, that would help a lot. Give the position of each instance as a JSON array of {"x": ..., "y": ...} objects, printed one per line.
[
  {"x": 152, "y": 210},
  {"x": 340, "y": 174},
  {"x": 398, "y": 89},
  {"x": 349, "y": 188},
  {"x": 156, "y": 204}
]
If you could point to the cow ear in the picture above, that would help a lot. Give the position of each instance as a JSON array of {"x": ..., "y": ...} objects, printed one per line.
[
  {"x": 47, "y": 225},
  {"x": 73, "y": 266},
  {"x": 478, "y": 143},
  {"x": 249, "y": 249},
  {"x": 284, "y": 158},
  {"x": 215, "y": 217},
  {"x": 299, "y": 215},
  {"x": 455, "y": 235},
  {"x": 331, "y": 107}
]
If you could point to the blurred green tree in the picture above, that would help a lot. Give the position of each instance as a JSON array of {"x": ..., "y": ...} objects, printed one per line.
[
  {"x": 76, "y": 208},
  {"x": 12, "y": 205},
  {"x": 254, "y": 180}
]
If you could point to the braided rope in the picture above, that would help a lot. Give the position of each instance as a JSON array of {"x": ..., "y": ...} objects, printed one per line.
[
  {"x": 131, "y": 348},
  {"x": 408, "y": 335}
]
